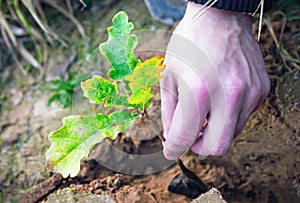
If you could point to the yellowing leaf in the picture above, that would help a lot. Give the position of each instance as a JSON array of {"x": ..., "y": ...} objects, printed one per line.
[
  {"x": 99, "y": 90},
  {"x": 140, "y": 99},
  {"x": 77, "y": 137},
  {"x": 144, "y": 76}
]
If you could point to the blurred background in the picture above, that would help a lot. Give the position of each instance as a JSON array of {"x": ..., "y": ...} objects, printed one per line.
[{"x": 47, "y": 47}]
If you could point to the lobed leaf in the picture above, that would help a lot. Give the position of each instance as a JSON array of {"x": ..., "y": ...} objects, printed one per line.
[
  {"x": 99, "y": 90},
  {"x": 118, "y": 49},
  {"x": 78, "y": 136},
  {"x": 144, "y": 76}
]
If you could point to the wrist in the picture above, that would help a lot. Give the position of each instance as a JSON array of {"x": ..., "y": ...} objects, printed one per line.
[
  {"x": 246, "y": 6},
  {"x": 215, "y": 14}
]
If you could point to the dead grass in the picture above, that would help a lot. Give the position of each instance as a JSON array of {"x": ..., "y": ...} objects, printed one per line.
[{"x": 19, "y": 18}]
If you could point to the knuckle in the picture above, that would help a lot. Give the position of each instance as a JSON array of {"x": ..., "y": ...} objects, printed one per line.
[
  {"x": 256, "y": 93},
  {"x": 260, "y": 91}
]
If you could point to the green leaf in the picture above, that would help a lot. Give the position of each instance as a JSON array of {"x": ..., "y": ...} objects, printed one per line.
[
  {"x": 118, "y": 101},
  {"x": 53, "y": 97},
  {"x": 118, "y": 49},
  {"x": 78, "y": 136},
  {"x": 144, "y": 76},
  {"x": 99, "y": 90}
]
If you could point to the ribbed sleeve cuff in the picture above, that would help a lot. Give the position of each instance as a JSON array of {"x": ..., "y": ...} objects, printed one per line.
[{"x": 247, "y": 6}]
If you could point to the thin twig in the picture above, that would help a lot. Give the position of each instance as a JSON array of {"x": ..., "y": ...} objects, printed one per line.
[
  {"x": 284, "y": 21},
  {"x": 70, "y": 9},
  {"x": 285, "y": 55},
  {"x": 40, "y": 11},
  {"x": 83, "y": 3},
  {"x": 253, "y": 14},
  {"x": 260, "y": 18},
  {"x": 68, "y": 15},
  {"x": 8, "y": 44},
  {"x": 4, "y": 24},
  {"x": 28, "y": 57},
  {"x": 188, "y": 173},
  {"x": 159, "y": 134},
  {"x": 42, "y": 189},
  {"x": 203, "y": 9},
  {"x": 34, "y": 33},
  {"x": 30, "y": 8},
  {"x": 50, "y": 34}
]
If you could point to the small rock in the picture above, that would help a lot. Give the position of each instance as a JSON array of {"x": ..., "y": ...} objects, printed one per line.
[
  {"x": 212, "y": 196},
  {"x": 19, "y": 114},
  {"x": 41, "y": 109},
  {"x": 67, "y": 195},
  {"x": 133, "y": 195},
  {"x": 11, "y": 133}
]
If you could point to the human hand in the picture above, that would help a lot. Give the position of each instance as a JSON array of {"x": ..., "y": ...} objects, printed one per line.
[{"x": 215, "y": 71}]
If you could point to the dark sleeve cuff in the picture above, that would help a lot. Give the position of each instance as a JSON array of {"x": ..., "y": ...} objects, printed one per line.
[{"x": 247, "y": 6}]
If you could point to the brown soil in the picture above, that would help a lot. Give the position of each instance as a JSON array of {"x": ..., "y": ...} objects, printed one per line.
[{"x": 263, "y": 164}]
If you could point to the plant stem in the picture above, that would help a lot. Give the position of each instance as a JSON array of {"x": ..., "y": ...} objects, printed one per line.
[
  {"x": 188, "y": 173},
  {"x": 160, "y": 134}
]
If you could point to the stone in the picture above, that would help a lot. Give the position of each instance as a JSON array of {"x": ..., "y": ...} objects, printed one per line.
[
  {"x": 212, "y": 196},
  {"x": 11, "y": 133}
]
